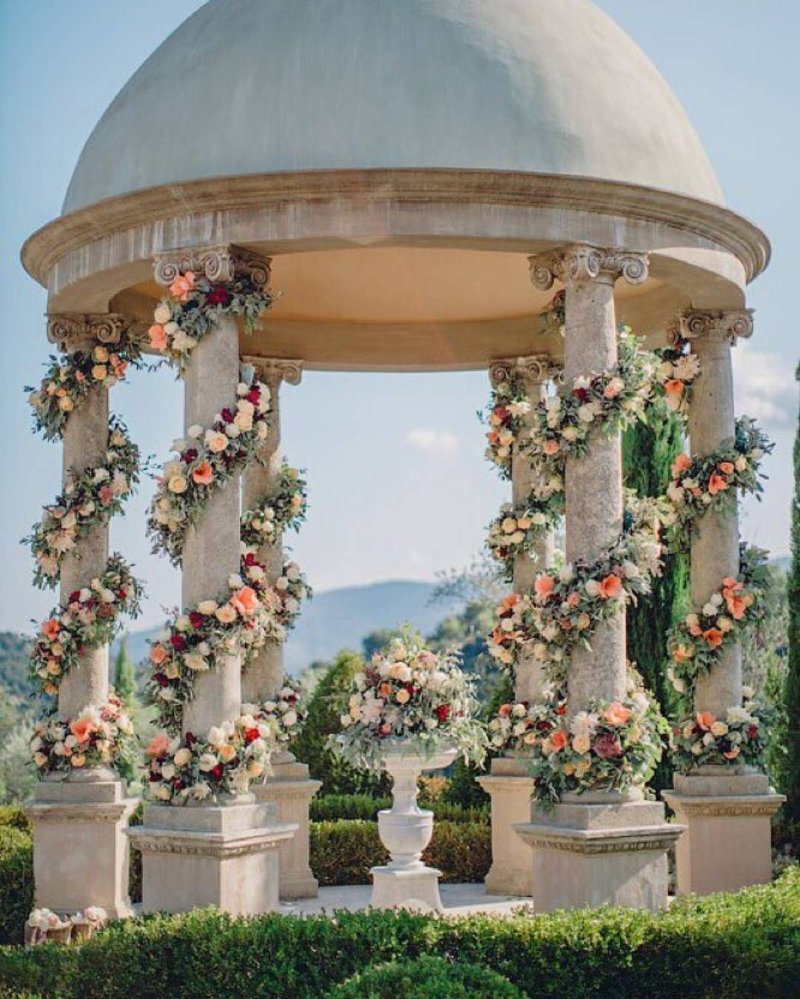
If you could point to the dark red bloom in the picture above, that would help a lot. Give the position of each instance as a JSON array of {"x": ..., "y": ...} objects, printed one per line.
[
  {"x": 561, "y": 710},
  {"x": 74, "y": 597},
  {"x": 178, "y": 642},
  {"x": 250, "y": 735},
  {"x": 752, "y": 731},
  {"x": 254, "y": 395},
  {"x": 190, "y": 739},
  {"x": 607, "y": 746},
  {"x": 442, "y": 712},
  {"x": 249, "y": 559},
  {"x": 196, "y": 619},
  {"x": 581, "y": 393},
  {"x": 161, "y": 679},
  {"x": 189, "y": 455},
  {"x": 219, "y": 295},
  {"x": 217, "y": 771},
  {"x": 227, "y": 415}
]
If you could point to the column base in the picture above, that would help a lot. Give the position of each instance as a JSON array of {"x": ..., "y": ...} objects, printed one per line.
[
  {"x": 728, "y": 842},
  {"x": 415, "y": 887},
  {"x": 510, "y": 788},
  {"x": 289, "y": 789},
  {"x": 199, "y": 855},
  {"x": 80, "y": 855},
  {"x": 599, "y": 850}
]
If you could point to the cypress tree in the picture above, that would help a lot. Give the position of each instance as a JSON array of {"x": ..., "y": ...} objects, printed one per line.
[
  {"x": 792, "y": 684},
  {"x": 648, "y": 450},
  {"x": 125, "y": 675}
]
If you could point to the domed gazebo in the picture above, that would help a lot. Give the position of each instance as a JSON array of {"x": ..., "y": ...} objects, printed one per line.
[{"x": 413, "y": 177}]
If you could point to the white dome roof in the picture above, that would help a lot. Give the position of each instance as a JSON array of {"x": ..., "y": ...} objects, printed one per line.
[{"x": 263, "y": 86}]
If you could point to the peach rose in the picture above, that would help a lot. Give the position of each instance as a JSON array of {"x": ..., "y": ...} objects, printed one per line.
[
  {"x": 717, "y": 483},
  {"x": 713, "y": 636},
  {"x": 550, "y": 447},
  {"x": 559, "y": 739},
  {"x": 682, "y": 653},
  {"x": 216, "y": 441},
  {"x": 203, "y": 475},
  {"x": 610, "y": 587},
  {"x": 158, "y": 746},
  {"x": 543, "y": 586},
  {"x": 182, "y": 286},
  {"x": 673, "y": 388},
  {"x": 617, "y": 714},
  {"x": 681, "y": 464},
  {"x": 158, "y": 337},
  {"x": 726, "y": 467},
  {"x": 245, "y": 601},
  {"x": 50, "y": 629},
  {"x": 82, "y": 728},
  {"x": 705, "y": 720},
  {"x": 158, "y": 654}
]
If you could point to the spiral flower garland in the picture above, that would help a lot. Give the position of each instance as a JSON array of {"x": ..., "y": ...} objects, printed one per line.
[
  {"x": 517, "y": 530},
  {"x": 736, "y": 737},
  {"x": 676, "y": 373},
  {"x": 283, "y": 508},
  {"x": 507, "y": 406},
  {"x": 102, "y": 735}
]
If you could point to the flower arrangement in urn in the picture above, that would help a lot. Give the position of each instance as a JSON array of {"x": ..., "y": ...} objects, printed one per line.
[{"x": 409, "y": 694}]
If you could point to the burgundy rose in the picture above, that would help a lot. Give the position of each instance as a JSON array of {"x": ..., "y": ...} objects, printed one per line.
[
  {"x": 216, "y": 772},
  {"x": 219, "y": 295},
  {"x": 607, "y": 746},
  {"x": 190, "y": 739},
  {"x": 178, "y": 784},
  {"x": 250, "y": 735},
  {"x": 161, "y": 679},
  {"x": 155, "y": 776},
  {"x": 196, "y": 619},
  {"x": 178, "y": 642},
  {"x": 581, "y": 393},
  {"x": 189, "y": 455},
  {"x": 254, "y": 395},
  {"x": 752, "y": 731},
  {"x": 227, "y": 415},
  {"x": 442, "y": 712},
  {"x": 74, "y": 597}
]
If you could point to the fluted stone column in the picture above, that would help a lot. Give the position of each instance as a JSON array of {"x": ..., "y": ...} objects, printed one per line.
[
  {"x": 223, "y": 853},
  {"x": 727, "y": 809},
  {"x": 80, "y": 855},
  {"x": 595, "y": 849},
  {"x": 288, "y": 787},
  {"x": 509, "y": 783}
]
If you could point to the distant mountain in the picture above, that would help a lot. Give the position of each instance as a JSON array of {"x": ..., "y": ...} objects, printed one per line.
[{"x": 339, "y": 619}]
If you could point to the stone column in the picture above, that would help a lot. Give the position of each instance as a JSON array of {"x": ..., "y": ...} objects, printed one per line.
[
  {"x": 596, "y": 849},
  {"x": 727, "y": 809},
  {"x": 509, "y": 784},
  {"x": 288, "y": 787},
  {"x": 80, "y": 855},
  {"x": 225, "y": 853}
]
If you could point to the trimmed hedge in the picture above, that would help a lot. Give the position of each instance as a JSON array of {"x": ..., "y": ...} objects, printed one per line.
[
  {"x": 16, "y": 882},
  {"x": 343, "y": 852},
  {"x": 427, "y": 978},
  {"x": 329, "y": 807},
  {"x": 724, "y": 946}
]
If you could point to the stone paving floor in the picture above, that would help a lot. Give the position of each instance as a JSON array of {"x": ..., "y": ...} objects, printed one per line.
[{"x": 457, "y": 900}]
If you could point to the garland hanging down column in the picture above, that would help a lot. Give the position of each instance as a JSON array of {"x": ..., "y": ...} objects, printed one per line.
[
  {"x": 69, "y": 658},
  {"x": 230, "y": 609}
]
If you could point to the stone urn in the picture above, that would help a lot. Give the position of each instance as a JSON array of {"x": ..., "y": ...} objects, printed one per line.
[{"x": 405, "y": 830}]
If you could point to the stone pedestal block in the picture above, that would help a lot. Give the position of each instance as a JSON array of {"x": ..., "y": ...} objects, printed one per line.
[
  {"x": 80, "y": 855},
  {"x": 290, "y": 791},
  {"x": 416, "y": 888},
  {"x": 196, "y": 856},
  {"x": 727, "y": 844},
  {"x": 607, "y": 852},
  {"x": 510, "y": 787}
]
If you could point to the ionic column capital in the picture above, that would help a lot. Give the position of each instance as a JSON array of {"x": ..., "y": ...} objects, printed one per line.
[
  {"x": 582, "y": 262},
  {"x": 221, "y": 262},
  {"x": 274, "y": 370},
  {"x": 534, "y": 368},
  {"x": 721, "y": 325},
  {"x": 73, "y": 330}
]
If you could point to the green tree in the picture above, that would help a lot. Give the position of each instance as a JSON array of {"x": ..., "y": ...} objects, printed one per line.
[
  {"x": 377, "y": 640},
  {"x": 792, "y": 686},
  {"x": 648, "y": 452},
  {"x": 328, "y": 703},
  {"x": 125, "y": 675}
]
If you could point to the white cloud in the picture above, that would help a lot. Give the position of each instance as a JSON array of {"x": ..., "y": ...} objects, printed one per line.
[
  {"x": 765, "y": 386},
  {"x": 433, "y": 441}
]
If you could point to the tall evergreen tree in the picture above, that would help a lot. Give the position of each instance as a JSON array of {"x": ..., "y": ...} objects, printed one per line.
[
  {"x": 125, "y": 675},
  {"x": 792, "y": 686},
  {"x": 648, "y": 452}
]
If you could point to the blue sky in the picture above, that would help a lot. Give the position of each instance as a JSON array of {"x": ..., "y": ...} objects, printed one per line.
[{"x": 398, "y": 484}]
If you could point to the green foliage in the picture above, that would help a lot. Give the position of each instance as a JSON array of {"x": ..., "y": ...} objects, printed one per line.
[
  {"x": 426, "y": 978},
  {"x": 125, "y": 675},
  {"x": 648, "y": 452},
  {"x": 719, "y": 947},
  {"x": 329, "y": 807},
  {"x": 16, "y": 883},
  {"x": 14, "y": 651},
  {"x": 343, "y": 851},
  {"x": 377, "y": 640},
  {"x": 792, "y": 687},
  {"x": 13, "y": 816},
  {"x": 328, "y": 703}
]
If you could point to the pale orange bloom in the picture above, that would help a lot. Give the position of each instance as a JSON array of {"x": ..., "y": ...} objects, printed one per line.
[
  {"x": 182, "y": 286},
  {"x": 610, "y": 587},
  {"x": 573, "y": 599},
  {"x": 717, "y": 483},
  {"x": 158, "y": 745},
  {"x": 203, "y": 475},
  {"x": 695, "y": 630},
  {"x": 617, "y": 714},
  {"x": 543, "y": 586},
  {"x": 681, "y": 464},
  {"x": 245, "y": 601},
  {"x": 682, "y": 653},
  {"x": 550, "y": 447},
  {"x": 505, "y": 710},
  {"x": 713, "y": 636},
  {"x": 726, "y": 467},
  {"x": 508, "y": 602},
  {"x": 559, "y": 739},
  {"x": 705, "y": 719},
  {"x": 158, "y": 654},
  {"x": 158, "y": 337},
  {"x": 50, "y": 629},
  {"x": 82, "y": 728},
  {"x": 673, "y": 387}
]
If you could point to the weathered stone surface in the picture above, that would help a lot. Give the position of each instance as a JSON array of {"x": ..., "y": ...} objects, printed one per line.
[{"x": 510, "y": 787}]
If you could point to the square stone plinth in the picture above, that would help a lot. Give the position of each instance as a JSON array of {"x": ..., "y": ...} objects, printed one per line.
[
  {"x": 413, "y": 888},
  {"x": 728, "y": 843},
  {"x": 80, "y": 855},
  {"x": 510, "y": 787},
  {"x": 289, "y": 789},
  {"x": 587, "y": 855},
  {"x": 221, "y": 855}
]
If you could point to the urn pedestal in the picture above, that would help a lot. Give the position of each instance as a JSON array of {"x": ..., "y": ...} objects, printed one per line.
[
  {"x": 728, "y": 843},
  {"x": 405, "y": 830},
  {"x": 510, "y": 787}
]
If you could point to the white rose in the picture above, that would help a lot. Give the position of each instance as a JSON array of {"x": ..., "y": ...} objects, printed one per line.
[
  {"x": 290, "y": 719},
  {"x": 207, "y": 762},
  {"x": 163, "y": 314},
  {"x": 182, "y": 757}
]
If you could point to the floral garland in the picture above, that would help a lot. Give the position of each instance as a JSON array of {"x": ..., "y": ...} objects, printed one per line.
[
  {"x": 516, "y": 531},
  {"x": 207, "y": 459},
  {"x": 291, "y": 588},
  {"x": 508, "y": 404},
  {"x": 100, "y": 736},
  {"x": 553, "y": 319},
  {"x": 696, "y": 643},
  {"x": 408, "y": 692},
  {"x": 69, "y": 380},
  {"x": 612, "y": 746},
  {"x": 675, "y": 375},
  {"x": 90, "y": 618},
  {"x": 194, "y": 307},
  {"x": 88, "y": 500},
  {"x": 284, "y": 508},
  {"x": 710, "y": 482},
  {"x": 610, "y": 400},
  {"x": 283, "y": 715},
  {"x": 566, "y": 606},
  {"x": 191, "y": 769},
  {"x": 517, "y": 727},
  {"x": 736, "y": 738}
]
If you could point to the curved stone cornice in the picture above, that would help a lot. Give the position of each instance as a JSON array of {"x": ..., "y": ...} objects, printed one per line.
[
  {"x": 215, "y": 202},
  {"x": 217, "y": 263},
  {"x": 581, "y": 262},
  {"x": 71, "y": 330}
]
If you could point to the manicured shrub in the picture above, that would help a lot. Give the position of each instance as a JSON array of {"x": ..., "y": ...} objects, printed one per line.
[
  {"x": 16, "y": 882},
  {"x": 12, "y": 815},
  {"x": 342, "y": 852},
  {"x": 330, "y": 807},
  {"x": 426, "y": 978}
]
